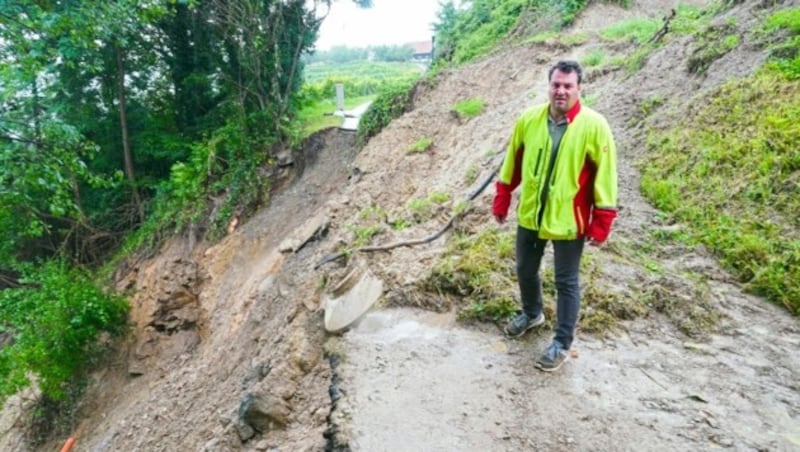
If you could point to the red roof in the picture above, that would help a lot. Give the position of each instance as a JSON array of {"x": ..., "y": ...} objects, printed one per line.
[{"x": 422, "y": 46}]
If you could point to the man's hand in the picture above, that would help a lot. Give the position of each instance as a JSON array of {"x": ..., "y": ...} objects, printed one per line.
[{"x": 500, "y": 219}]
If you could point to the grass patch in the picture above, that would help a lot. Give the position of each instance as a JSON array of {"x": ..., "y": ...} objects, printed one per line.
[
  {"x": 478, "y": 273},
  {"x": 471, "y": 174},
  {"x": 593, "y": 58},
  {"x": 541, "y": 38},
  {"x": 781, "y": 33},
  {"x": 589, "y": 99},
  {"x": 651, "y": 104},
  {"x": 731, "y": 172},
  {"x": 688, "y": 20},
  {"x": 421, "y": 145},
  {"x": 575, "y": 39},
  {"x": 712, "y": 44},
  {"x": 636, "y": 31},
  {"x": 423, "y": 209},
  {"x": 686, "y": 305},
  {"x": 363, "y": 234},
  {"x": 469, "y": 108}
]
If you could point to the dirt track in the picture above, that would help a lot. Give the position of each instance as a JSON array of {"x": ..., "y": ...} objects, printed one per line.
[{"x": 219, "y": 326}]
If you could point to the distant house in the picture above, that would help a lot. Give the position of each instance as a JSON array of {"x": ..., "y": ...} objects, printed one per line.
[{"x": 423, "y": 50}]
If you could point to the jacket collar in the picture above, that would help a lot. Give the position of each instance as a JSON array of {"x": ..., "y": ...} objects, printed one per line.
[{"x": 573, "y": 112}]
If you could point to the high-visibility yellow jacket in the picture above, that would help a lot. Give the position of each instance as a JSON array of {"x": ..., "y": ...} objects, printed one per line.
[{"x": 582, "y": 195}]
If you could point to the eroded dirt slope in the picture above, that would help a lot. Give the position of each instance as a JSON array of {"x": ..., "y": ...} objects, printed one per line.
[{"x": 229, "y": 350}]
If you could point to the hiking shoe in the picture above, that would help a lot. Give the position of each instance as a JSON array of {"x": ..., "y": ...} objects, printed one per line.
[
  {"x": 521, "y": 323},
  {"x": 552, "y": 357}
]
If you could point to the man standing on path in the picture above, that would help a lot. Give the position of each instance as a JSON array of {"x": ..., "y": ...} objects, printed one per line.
[{"x": 563, "y": 155}]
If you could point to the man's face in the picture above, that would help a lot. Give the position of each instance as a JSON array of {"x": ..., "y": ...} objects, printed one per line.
[{"x": 564, "y": 91}]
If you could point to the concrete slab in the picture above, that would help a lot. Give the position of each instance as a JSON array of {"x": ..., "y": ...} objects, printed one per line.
[{"x": 351, "y": 298}]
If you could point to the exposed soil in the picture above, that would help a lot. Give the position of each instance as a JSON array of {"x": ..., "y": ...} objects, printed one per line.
[{"x": 229, "y": 350}]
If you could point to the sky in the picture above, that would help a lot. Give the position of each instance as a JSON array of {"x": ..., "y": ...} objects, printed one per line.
[{"x": 388, "y": 22}]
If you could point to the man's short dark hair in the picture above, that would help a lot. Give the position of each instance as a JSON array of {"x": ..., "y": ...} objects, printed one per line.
[{"x": 567, "y": 67}]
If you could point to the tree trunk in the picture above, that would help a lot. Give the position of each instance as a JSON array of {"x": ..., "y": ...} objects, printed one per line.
[{"x": 123, "y": 122}]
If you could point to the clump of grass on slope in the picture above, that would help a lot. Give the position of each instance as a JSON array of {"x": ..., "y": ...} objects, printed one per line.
[
  {"x": 711, "y": 44},
  {"x": 687, "y": 20},
  {"x": 469, "y": 108},
  {"x": 478, "y": 271},
  {"x": 783, "y": 29},
  {"x": 634, "y": 30},
  {"x": 731, "y": 171}
]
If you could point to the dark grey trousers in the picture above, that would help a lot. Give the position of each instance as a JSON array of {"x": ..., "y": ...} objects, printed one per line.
[{"x": 567, "y": 254}]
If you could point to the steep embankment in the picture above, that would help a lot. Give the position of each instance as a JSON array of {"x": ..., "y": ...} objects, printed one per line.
[{"x": 229, "y": 350}]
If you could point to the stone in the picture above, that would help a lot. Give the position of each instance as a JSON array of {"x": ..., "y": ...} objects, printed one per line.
[{"x": 264, "y": 412}]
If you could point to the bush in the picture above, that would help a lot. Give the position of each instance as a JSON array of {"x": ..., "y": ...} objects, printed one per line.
[
  {"x": 391, "y": 102},
  {"x": 52, "y": 324}
]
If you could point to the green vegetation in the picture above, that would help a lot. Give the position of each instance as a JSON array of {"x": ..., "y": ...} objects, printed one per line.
[
  {"x": 540, "y": 38},
  {"x": 477, "y": 272},
  {"x": 688, "y": 20},
  {"x": 363, "y": 234},
  {"x": 392, "y": 101},
  {"x": 589, "y": 99},
  {"x": 112, "y": 126},
  {"x": 575, "y": 39},
  {"x": 730, "y": 171},
  {"x": 464, "y": 34},
  {"x": 421, "y": 145},
  {"x": 423, "y": 209},
  {"x": 339, "y": 55},
  {"x": 469, "y": 108},
  {"x": 711, "y": 44},
  {"x": 649, "y": 105},
  {"x": 637, "y": 31},
  {"x": 601, "y": 309},
  {"x": 361, "y": 81},
  {"x": 358, "y": 78},
  {"x": 319, "y": 115},
  {"x": 372, "y": 212},
  {"x": 593, "y": 58},
  {"x": 782, "y": 33},
  {"x": 471, "y": 175},
  {"x": 51, "y": 325}
]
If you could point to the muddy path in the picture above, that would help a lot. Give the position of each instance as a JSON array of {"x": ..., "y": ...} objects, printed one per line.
[
  {"x": 228, "y": 350},
  {"x": 414, "y": 380}
]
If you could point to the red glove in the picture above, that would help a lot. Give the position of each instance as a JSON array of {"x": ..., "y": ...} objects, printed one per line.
[
  {"x": 502, "y": 199},
  {"x": 600, "y": 226}
]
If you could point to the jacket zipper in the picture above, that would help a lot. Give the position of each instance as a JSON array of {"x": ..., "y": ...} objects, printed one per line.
[{"x": 538, "y": 161}]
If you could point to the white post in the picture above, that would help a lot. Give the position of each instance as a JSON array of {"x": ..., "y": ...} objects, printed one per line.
[{"x": 340, "y": 96}]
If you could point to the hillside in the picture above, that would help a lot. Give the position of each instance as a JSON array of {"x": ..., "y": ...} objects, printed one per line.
[{"x": 229, "y": 352}]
